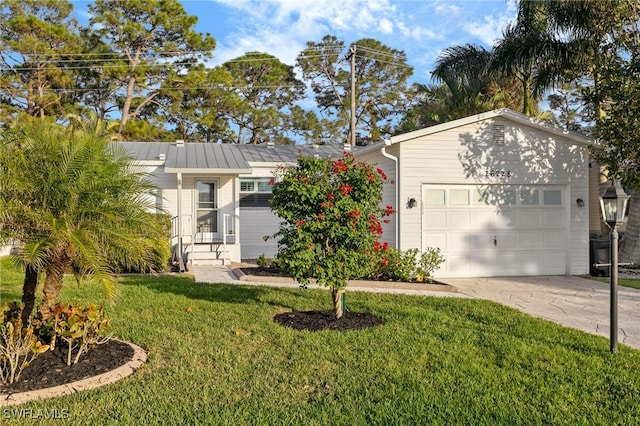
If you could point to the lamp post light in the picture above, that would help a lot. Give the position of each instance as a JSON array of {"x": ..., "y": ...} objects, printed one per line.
[{"x": 614, "y": 205}]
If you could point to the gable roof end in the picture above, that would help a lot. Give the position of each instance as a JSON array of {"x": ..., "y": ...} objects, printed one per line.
[{"x": 498, "y": 113}]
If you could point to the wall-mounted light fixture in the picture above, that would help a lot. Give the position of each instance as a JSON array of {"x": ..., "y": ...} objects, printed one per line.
[
  {"x": 580, "y": 202},
  {"x": 411, "y": 203}
]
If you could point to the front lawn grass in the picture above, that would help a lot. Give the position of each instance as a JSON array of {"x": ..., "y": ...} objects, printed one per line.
[
  {"x": 626, "y": 282},
  {"x": 216, "y": 357}
]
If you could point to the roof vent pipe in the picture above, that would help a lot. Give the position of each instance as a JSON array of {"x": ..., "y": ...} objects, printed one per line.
[
  {"x": 270, "y": 144},
  {"x": 161, "y": 157},
  {"x": 179, "y": 142},
  {"x": 347, "y": 147}
]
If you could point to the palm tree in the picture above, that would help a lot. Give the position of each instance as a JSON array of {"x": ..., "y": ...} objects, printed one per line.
[
  {"x": 71, "y": 201},
  {"x": 554, "y": 42},
  {"x": 465, "y": 85}
]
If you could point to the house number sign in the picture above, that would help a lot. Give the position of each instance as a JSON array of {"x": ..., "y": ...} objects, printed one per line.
[{"x": 498, "y": 173}]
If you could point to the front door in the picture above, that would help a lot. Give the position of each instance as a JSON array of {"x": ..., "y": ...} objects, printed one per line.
[{"x": 206, "y": 212}]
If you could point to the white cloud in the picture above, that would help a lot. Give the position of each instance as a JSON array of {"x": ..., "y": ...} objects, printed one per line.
[
  {"x": 284, "y": 26},
  {"x": 386, "y": 26},
  {"x": 420, "y": 28},
  {"x": 489, "y": 28},
  {"x": 447, "y": 10}
]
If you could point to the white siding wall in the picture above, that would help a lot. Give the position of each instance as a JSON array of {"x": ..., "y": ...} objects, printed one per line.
[
  {"x": 388, "y": 191},
  {"x": 167, "y": 190},
  {"x": 256, "y": 223},
  {"x": 465, "y": 154}
]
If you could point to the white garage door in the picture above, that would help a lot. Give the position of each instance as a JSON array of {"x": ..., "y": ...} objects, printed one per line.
[{"x": 496, "y": 230}]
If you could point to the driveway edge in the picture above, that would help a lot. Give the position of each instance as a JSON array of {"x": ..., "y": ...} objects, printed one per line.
[{"x": 378, "y": 285}]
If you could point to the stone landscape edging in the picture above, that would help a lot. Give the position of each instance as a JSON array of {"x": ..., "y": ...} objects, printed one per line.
[
  {"x": 139, "y": 357},
  {"x": 378, "y": 285}
]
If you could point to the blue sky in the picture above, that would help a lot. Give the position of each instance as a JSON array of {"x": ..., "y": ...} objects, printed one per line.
[{"x": 421, "y": 28}]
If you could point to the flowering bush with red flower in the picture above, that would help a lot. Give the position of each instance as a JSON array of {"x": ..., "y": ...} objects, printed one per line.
[{"x": 331, "y": 221}]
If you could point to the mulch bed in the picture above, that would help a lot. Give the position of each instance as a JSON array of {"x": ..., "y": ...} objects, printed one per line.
[
  {"x": 326, "y": 320},
  {"x": 263, "y": 272},
  {"x": 50, "y": 368}
]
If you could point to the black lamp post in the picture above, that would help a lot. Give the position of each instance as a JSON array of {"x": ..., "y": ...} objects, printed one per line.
[{"x": 614, "y": 205}]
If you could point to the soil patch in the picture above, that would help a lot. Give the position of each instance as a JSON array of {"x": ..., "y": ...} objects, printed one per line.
[
  {"x": 50, "y": 368},
  {"x": 262, "y": 272},
  {"x": 326, "y": 320}
]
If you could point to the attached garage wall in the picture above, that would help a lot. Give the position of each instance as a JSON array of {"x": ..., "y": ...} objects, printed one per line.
[
  {"x": 256, "y": 223},
  {"x": 497, "y": 152}
]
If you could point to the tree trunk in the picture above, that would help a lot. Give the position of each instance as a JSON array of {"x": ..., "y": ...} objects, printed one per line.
[
  {"x": 127, "y": 104},
  {"x": 29, "y": 293},
  {"x": 338, "y": 301},
  {"x": 52, "y": 285},
  {"x": 630, "y": 246}
]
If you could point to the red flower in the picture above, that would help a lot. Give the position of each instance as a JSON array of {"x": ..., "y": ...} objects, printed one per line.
[
  {"x": 330, "y": 196},
  {"x": 354, "y": 213},
  {"x": 271, "y": 182},
  {"x": 321, "y": 216},
  {"x": 345, "y": 189},
  {"x": 376, "y": 228},
  {"x": 381, "y": 173},
  {"x": 370, "y": 178},
  {"x": 385, "y": 262},
  {"x": 299, "y": 222},
  {"x": 339, "y": 166}
]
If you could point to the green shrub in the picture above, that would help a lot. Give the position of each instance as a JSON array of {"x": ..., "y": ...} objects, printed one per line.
[
  {"x": 81, "y": 328},
  {"x": 430, "y": 261},
  {"x": 265, "y": 262},
  {"x": 399, "y": 265},
  {"x": 19, "y": 345}
]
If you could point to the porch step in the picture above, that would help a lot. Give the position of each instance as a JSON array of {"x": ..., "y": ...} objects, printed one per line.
[
  {"x": 219, "y": 257},
  {"x": 210, "y": 262}
]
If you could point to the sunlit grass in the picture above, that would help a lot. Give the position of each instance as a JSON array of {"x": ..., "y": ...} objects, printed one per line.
[{"x": 216, "y": 357}]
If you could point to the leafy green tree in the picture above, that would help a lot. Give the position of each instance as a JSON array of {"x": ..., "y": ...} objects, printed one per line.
[
  {"x": 381, "y": 91},
  {"x": 617, "y": 124},
  {"x": 268, "y": 89},
  {"x": 311, "y": 128},
  {"x": 37, "y": 41},
  {"x": 71, "y": 201},
  {"x": 199, "y": 102},
  {"x": 331, "y": 221},
  {"x": 567, "y": 104},
  {"x": 465, "y": 86},
  {"x": 153, "y": 37}
]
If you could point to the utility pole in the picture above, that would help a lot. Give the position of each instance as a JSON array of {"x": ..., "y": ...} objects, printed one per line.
[{"x": 352, "y": 131}]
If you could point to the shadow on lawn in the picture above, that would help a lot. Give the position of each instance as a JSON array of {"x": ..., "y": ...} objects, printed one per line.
[{"x": 226, "y": 293}]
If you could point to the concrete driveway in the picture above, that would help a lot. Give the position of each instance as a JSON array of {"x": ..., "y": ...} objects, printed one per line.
[{"x": 571, "y": 301}]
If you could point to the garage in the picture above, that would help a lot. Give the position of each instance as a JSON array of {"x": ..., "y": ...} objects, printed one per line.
[
  {"x": 499, "y": 193},
  {"x": 496, "y": 230}
]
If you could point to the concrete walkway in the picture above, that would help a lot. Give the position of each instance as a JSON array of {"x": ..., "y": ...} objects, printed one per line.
[{"x": 570, "y": 301}]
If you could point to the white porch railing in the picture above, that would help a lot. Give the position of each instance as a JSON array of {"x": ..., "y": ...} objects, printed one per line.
[{"x": 191, "y": 238}]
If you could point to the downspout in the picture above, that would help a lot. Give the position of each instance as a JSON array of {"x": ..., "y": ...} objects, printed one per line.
[
  {"x": 180, "y": 258},
  {"x": 387, "y": 142}
]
